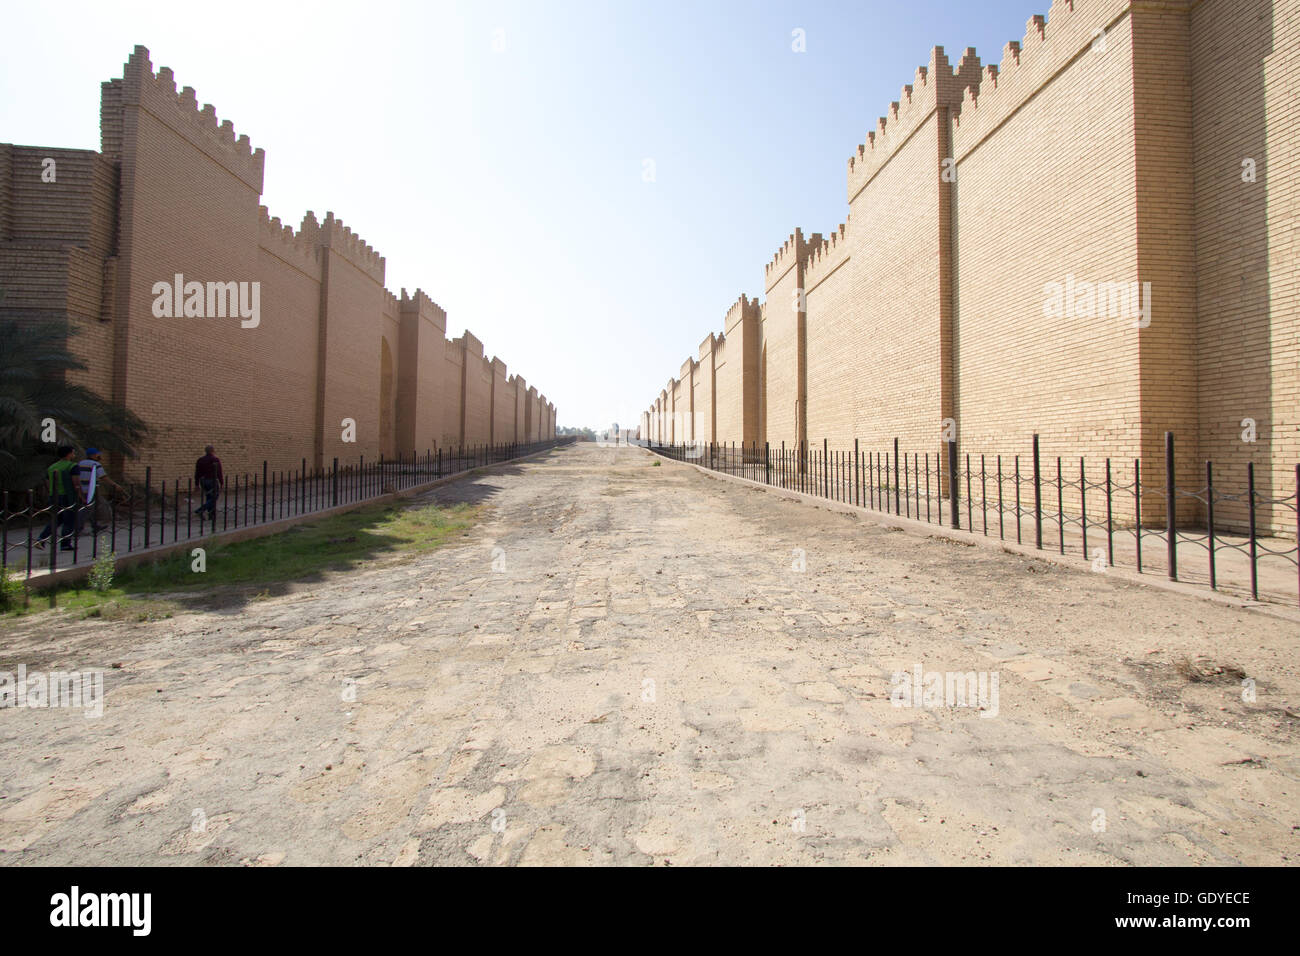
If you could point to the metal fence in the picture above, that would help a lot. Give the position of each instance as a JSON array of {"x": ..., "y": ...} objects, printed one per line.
[
  {"x": 36, "y": 534},
  {"x": 1109, "y": 511}
]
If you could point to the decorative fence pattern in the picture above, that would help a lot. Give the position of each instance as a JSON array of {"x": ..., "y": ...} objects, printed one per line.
[
  {"x": 159, "y": 512},
  {"x": 1062, "y": 504}
]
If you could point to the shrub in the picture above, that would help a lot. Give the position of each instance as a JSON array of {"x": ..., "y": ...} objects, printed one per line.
[
  {"x": 101, "y": 575},
  {"x": 11, "y": 592}
]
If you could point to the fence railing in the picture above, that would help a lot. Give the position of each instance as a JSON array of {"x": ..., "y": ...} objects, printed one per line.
[
  {"x": 1108, "y": 510},
  {"x": 37, "y": 534}
]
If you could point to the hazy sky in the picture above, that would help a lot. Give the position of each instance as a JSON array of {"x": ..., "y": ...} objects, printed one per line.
[{"x": 496, "y": 153}]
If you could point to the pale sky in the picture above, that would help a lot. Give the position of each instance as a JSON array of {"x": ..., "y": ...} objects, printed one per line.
[{"x": 496, "y": 152}]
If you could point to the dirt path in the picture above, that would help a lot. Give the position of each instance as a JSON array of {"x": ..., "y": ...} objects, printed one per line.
[{"x": 645, "y": 677}]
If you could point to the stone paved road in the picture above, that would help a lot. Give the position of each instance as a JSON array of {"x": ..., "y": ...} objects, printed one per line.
[{"x": 648, "y": 681}]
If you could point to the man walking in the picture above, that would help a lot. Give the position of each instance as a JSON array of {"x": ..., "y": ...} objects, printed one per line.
[
  {"x": 92, "y": 475},
  {"x": 65, "y": 495},
  {"x": 209, "y": 477}
]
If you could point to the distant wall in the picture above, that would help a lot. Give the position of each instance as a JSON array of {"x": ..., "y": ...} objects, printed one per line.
[{"x": 172, "y": 192}]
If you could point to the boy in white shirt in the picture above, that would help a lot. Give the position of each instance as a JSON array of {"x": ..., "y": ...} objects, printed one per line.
[{"x": 93, "y": 474}]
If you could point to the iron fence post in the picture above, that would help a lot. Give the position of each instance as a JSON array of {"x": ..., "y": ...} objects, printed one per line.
[
  {"x": 954, "y": 507},
  {"x": 1171, "y": 508},
  {"x": 896, "y": 499},
  {"x": 970, "y": 520},
  {"x": 1083, "y": 505},
  {"x": 1060, "y": 506},
  {"x": 1002, "y": 527},
  {"x": 148, "y": 500},
  {"x": 938, "y": 480},
  {"x": 1137, "y": 510},
  {"x": 1209, "y": 518},
  {"x": 1038, "y": 499},
  {"x": 857, "y": 476},
  {"x": 1110, "y": 532},
  {"x": 1250, "y": 491}
]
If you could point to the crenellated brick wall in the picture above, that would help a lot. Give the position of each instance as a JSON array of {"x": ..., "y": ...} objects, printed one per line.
[
  {"x": 174, "y": 191},
  {"x": 1107, "y": 146}
]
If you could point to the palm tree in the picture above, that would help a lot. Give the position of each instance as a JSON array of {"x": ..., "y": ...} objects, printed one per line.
[{"x": 34, "y": 364}]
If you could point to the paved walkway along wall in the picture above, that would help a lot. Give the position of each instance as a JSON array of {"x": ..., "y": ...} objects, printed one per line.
[
  {"x": 287, "y": 504},
  {"x": 1242, "y": 571}
]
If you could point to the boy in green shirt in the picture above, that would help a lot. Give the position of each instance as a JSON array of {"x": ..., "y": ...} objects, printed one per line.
[{"x": 65, "y": 495}]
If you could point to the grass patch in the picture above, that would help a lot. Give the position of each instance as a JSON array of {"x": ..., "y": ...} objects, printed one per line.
[{"x": 303, "y": 552}]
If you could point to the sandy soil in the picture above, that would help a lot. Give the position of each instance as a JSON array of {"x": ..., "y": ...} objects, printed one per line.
[{"x": 623, "y": 664}]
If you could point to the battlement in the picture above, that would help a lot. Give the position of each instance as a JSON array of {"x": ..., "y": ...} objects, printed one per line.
[
  {"x": 498, "y": 367},
  {"x": 425, "y": 308},
  {"x": 280, "y": 240},
  {"x": 340, "y": 238},
  {"x": 688, "y": 368},
  {"x": 793, "y": 250},
  {"x": 472, "y": 346},
  {"x": 453, "y": 351},
  {"x": 532, "y": 393},
  {"x": 1049, "y": 44},
  {"x": 740, "y": 309},
  {"x": 933, "y": 86},
  {"x": 827, "y": 256},
  {"x": 707, "y": 346},
  {"x": 156, "y": 92},
  {"x": 309, "y": 228}
]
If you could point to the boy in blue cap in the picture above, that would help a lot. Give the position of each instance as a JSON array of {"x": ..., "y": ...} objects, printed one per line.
[{"x": 92, "y": 474}]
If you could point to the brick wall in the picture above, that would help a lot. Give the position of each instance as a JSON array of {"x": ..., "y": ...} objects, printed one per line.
[
  {"x": 521, "y": 409},
  {"x": 423, "y": 338},
  {"x": 1106, "y": 146},
  {"x": 503, "y": 405},
  {"x": 736, "y": 374},
  {"x": 686, "y": 396},
  {"x": 1046, "y": 180},
  {"x": 782, "y": 352},
  {"x": 476, "y": 391},
  {"x": 173, "y": 190},
  {"x": 704, "y": 383},
  {"x": 1245, "y": 91}
]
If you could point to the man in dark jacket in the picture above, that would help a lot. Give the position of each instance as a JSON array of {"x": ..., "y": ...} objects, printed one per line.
[{"x": 209, "y": 478}]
